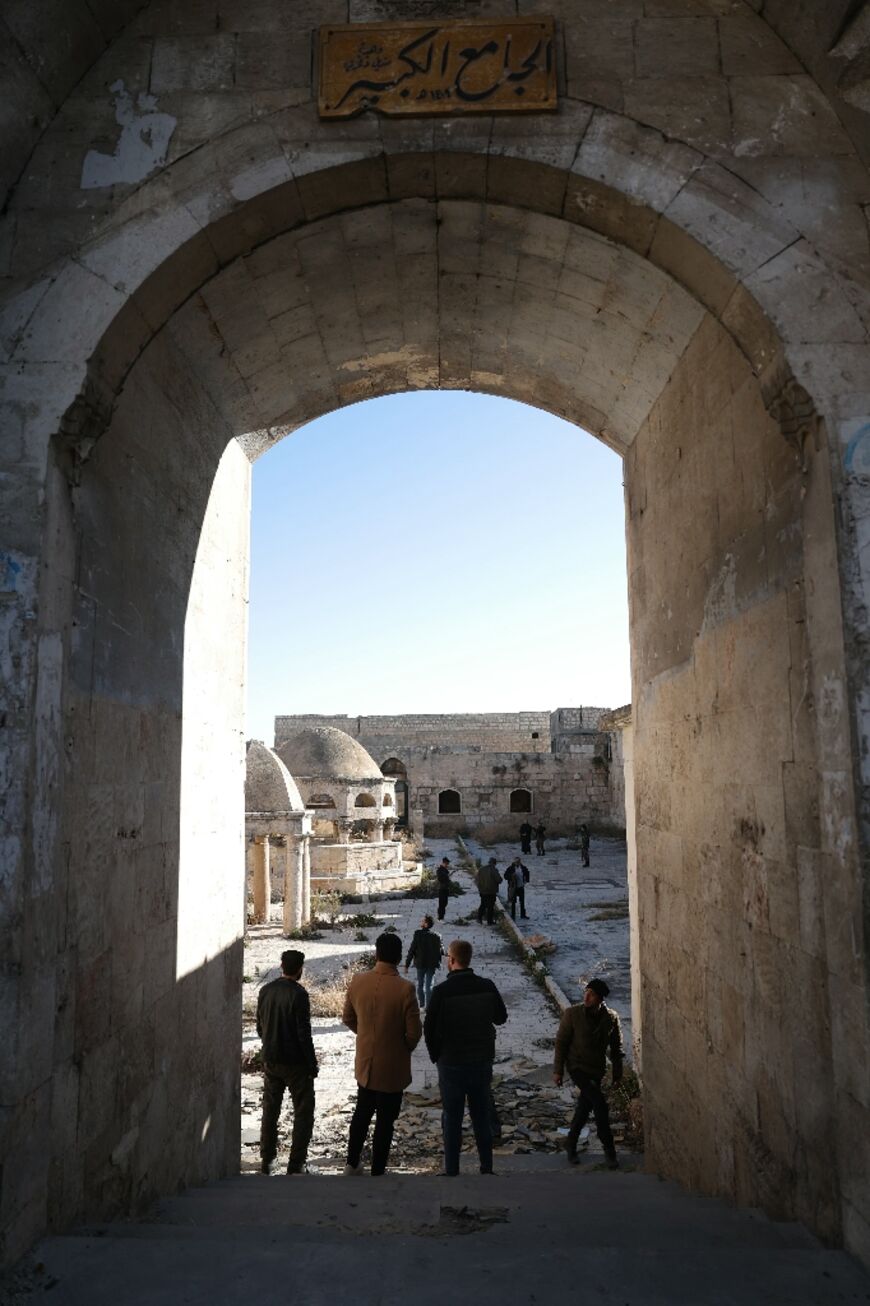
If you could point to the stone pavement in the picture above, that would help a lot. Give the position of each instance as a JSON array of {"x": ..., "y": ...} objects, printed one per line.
[{"x": 584, "y": 910}]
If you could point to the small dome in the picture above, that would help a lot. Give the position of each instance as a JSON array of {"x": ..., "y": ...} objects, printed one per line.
[
  {"x": 323, "y": 753},
  {"x": 269, "y": 786}
]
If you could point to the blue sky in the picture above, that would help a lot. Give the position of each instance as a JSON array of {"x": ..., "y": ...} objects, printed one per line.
[{"x": 436, "y": 552}]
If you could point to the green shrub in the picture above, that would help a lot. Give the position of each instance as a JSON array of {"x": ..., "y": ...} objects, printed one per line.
[
  {"x": 326, "y": 907},
  {"x": 363, "y": 920},
  {"x": 305, "y": 932}
]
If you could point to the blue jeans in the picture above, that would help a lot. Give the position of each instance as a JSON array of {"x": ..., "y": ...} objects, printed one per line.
[
  {"x": 458, "y": 1083},
  {"x": 424, "y": 985}
]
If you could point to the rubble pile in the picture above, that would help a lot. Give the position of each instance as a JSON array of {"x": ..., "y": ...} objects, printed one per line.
[{"x": 534, "y": 1117}]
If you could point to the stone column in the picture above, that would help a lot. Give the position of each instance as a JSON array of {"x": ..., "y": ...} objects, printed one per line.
[
  {"x": 377, "y": 831},
  {"x": 342, "y": 826},
  {"x": 306, "y": 880},
  {"x": 293, "y": 884},
  {"x": 262, "y": 880}
]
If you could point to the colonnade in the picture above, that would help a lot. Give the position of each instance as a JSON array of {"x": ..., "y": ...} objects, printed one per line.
[{"x": 297, "y": 878}]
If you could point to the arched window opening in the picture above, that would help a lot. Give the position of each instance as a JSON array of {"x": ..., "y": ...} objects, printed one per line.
[
  {"x": 388, "y": 800},
  {"x": 401, "y": 802},
  {"x": 449, "y": 802},
  {"x": 521, "y": 800},
  {"x": 365, "y": 800},
  {"x": 393, "y": 766}
]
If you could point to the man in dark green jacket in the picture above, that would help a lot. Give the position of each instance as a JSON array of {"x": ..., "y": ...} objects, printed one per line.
[
  {"x": 587, "y": 1033},
  {"x": 289, "y": 1061},
  {"x": 488, "y": 880}
]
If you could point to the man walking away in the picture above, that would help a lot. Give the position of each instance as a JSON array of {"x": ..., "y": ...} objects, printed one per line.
[
  {"x": 426, "y": 953},
  {"x": 488, "y": 880},
  {"x": 540, "y": 833},
  {"x": 584, "y": 844},
  {"x": 525, "y": 837},
  {"x": 289, "y": 1061},
  {"x": 587, "y": 1032},
  {"x": 516, "y": 877},
  {"x": 381, "y": 1009},
  {"x": 442, "y": 874},
  {"x": 460, "y": 1037}
]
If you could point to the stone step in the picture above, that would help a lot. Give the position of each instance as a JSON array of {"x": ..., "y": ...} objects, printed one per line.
[
  {"x": 579, "y": 1235},
  {"x": 498, "y": 1263},
  {"x": 634, "y": 1211}
]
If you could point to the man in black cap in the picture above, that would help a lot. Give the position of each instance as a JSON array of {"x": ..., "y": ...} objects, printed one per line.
[
  {"x": 289, "y": 1061},
  {"x": 587, "y": 1032},
  {"x": 442, "y": 875}
]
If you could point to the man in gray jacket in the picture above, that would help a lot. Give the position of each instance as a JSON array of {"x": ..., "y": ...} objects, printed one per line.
[{"x": 488, "y": 880}]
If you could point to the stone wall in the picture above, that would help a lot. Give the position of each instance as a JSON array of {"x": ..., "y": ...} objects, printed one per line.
[
  {"x": 484, "y": 758},
  {"x": 126, "y": 1062},
  {"x": 745, "y": 882},
  {"x": 495, "y": 731}
]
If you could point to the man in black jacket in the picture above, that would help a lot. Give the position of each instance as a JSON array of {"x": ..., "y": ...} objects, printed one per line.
[
  {"x": 289, "y": 1061},
  {"x": 460, "y": 1037},
  {"x": 442, "y": 874},
  {"x": 516, "y": 877},
  {"x": 426, "y": 953}
]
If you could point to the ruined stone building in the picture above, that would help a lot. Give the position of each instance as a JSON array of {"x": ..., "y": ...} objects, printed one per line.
[
  {"x": 353, "y": 811},
  {"x": 649, "y": 219},
  {"x": 488, "y": 772}
]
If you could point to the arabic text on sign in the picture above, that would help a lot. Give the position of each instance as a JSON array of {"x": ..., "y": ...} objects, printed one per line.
[{"x": 457, "y": 67}]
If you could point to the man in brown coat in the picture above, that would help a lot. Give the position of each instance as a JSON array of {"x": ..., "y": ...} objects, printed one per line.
[{"x": 381, "y": 1009}]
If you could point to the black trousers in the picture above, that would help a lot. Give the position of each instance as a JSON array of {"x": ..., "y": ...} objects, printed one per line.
[
  {"x": 443, "y": 895},
  {"x": 519, "y": 897},
  {"x": 300, "y": 1082},
  {"x": 591, "y": 1100},
  {"x": 385, "y": 1107},
  {"x": 487, "y": 906}
]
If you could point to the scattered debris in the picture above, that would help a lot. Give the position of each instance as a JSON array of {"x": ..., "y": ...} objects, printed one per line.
[
  {"x": 540, "y": 943},
  {"x": 465, "y": 1219}
]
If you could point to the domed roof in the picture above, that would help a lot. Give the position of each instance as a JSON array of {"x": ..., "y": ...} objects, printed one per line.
[
  {"x": 324, "y": 753},
  {"x": 269, "y": 786}
]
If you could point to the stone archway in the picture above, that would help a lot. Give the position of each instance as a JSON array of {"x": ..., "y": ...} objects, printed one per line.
[
  {"x": 633, "y": 282},
  {"x": 593, "y": 331}
]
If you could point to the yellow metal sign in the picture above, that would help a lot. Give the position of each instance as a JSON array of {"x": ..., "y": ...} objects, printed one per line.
[{"x": 424, "y": 68}]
